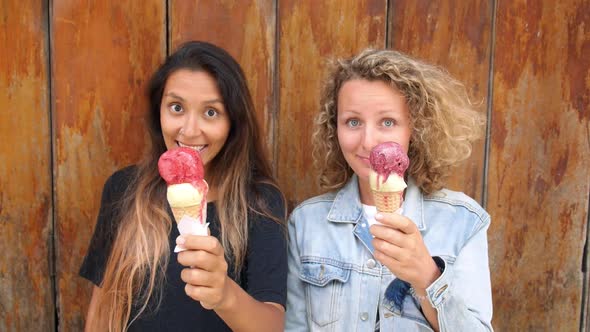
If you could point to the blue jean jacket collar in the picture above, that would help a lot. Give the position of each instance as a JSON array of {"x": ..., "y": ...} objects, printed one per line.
[{"x": 347, "y": 207}]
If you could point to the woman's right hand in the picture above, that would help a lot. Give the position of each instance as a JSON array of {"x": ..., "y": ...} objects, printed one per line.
[
  {"x": 206, "y": 271},
  {"x": 399, "y": 246}
]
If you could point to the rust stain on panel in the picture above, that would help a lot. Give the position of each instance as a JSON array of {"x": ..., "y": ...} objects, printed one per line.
[
  {"x": 25, "y": 170},
  {"x": 103, "y": 56},
  {"x": 455, "y": 35},
  {"x": 578, "y": 38},
  {"x": 538, "y": 167},
  {"x": 310, "y": 33},
  {"x": 246, "y": 29}
]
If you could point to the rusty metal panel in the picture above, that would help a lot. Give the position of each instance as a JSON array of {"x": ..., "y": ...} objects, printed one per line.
[
  {"x": 538, "y": 165},
  {"x": 311, "y": 32},
  {"x": 103, "y": 53},
  {"x": 26, "y": 302},
  {"x": 456, "y": 36},
  {"x": 247, "y": 30}
]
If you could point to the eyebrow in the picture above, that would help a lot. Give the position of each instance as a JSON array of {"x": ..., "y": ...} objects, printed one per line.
[
  {"x": 213, "y": 101},
  {"x": 175, "y": 96},
  {"x": 210, "y": 101},
  {"x": 381, "y": 111}
]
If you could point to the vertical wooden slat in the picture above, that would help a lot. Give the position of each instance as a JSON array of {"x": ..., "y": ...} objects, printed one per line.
[
  {"x": 244, "y": 28},
  {"x": 25, "y": 169},
  {"x": 103, "y": 54},
  {"x": 538, "y": 166},
  {"x": 311, "y": 32},
  {"x": 456, "y": 36}
]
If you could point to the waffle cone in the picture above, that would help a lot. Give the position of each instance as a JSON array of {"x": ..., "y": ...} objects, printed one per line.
[
  {"x": 387, "y": 201},
  {"x": 193, "y": 211}
]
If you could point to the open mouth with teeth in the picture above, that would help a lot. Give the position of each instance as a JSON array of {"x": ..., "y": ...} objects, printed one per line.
[{"x": 198, "y": 148}]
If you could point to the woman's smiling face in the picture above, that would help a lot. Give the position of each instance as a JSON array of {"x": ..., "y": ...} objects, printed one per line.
[
  {"x": 370, "y": 113},
  {"x": 192, "y": 114}
]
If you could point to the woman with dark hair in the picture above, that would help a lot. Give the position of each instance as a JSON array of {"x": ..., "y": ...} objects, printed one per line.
[{"x": 199, "y": 99}]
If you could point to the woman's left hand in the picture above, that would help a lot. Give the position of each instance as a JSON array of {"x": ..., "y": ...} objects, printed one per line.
[
  {"x": 206, "y": 273},
  {"x": 399, "y": 246}
]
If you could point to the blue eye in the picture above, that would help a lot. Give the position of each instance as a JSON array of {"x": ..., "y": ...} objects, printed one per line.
[
  {"x": 388, "y": 123},
  {"x": 353, "y": 123},
  {"x": 176, "y": 108},
  {"x": 210, "y": 112}
]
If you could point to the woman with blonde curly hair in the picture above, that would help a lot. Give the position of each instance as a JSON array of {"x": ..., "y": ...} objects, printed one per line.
[{"x": 422, "y": 268}]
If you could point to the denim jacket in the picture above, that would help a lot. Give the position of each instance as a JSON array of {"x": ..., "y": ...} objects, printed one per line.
[{"x": 336, "y": 284}]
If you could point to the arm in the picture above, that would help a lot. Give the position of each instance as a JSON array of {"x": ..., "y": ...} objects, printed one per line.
[
  {"x": 240, "y": 308},
  {"x": 208, "y": 283},
  {"x": 296, "y": 310},
  {"x": 466, "y": 303},
  {"x": 399, "y": 246},
  {"x": 460, "y": 298}
]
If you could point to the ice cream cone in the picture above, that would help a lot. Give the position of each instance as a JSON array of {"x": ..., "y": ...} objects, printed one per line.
[
  {"x": 387, "y": 201},
  {"x": 193, "y": 211}
]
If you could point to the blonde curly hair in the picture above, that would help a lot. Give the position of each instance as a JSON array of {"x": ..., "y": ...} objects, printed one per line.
[{"x": 443, "y": 120}]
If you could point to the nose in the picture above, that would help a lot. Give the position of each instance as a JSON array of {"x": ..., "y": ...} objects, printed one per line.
[
  {"x": 191, "y": 126},
  {"x": 369, "y": 138}
]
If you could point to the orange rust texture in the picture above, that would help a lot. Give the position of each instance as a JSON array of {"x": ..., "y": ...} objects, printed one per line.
[
  {"x": 456, "y": 36},
  {"x": 311, "y": 32},
  {"x": 246, "y": 29},
  {"x": 103, "y": 53},
  {"x": 25, "y": 169},
  {"x": 538, "y": 167}
]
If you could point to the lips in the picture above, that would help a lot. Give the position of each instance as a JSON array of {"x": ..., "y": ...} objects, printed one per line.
[
  {"x": 365, "y": 160},
  {"x": 198, "y": 148}
]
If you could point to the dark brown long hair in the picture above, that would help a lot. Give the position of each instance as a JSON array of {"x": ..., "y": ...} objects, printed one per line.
[{"x": 140, "y": 252}]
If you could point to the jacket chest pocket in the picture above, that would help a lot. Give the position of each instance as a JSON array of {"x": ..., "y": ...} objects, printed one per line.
[{"x": 324, "y": 290}]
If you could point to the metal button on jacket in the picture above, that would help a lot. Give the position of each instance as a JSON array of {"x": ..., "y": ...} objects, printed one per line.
[
  {"x": 371, "y": 263},
  {"x": 364, "y": 316}
]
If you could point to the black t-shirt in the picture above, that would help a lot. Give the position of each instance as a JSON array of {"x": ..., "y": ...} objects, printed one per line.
[{"x": 263, "y": 276}]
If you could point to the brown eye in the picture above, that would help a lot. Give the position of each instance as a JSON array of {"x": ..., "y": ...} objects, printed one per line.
[
  {"x": 211, "y": 113},
  {"x": 176, "y": 108}
]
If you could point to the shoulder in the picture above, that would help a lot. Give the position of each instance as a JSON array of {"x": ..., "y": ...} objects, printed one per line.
[
  {"x": 458, "y": 203},
  {"x": 267, "y": 191},
  {"x": 266, "y": 199},
  {"x": 121, "y": 179},
  {"x": 317, "y": 205},
  {"x": 319, "y": 200}
]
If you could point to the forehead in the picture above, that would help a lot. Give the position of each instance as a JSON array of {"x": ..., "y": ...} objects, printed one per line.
[
  {"x": 360, "y": 94},
  {"x": 192, "y": 82}
]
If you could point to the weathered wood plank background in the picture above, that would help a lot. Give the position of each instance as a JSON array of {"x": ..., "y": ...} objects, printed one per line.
[
  {"x": 26, "y": 227},
  {"x": 102, "y": 55},
  {"x": 539, "y": 163},
  {"x": 72, "y": 80}
]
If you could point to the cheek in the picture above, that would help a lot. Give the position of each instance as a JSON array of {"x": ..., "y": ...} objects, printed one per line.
[
  {"x": 346, "y": 140},
  {"x": 220, "y": 133}
]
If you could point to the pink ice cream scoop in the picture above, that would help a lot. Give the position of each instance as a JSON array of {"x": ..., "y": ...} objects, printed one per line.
[
  {"x": 386, "y": 178},
  {"x": 387, "y": 158},
  {"x": 181, "y": 165},
  {"x": 183, "y": 171}
]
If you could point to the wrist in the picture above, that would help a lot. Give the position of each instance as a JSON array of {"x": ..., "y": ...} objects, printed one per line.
[
  {"x": 435, "y": 269},
  {"x": 228, "y": 302}
]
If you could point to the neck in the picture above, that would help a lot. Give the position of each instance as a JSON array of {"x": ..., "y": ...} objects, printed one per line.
[{"x": 365, "y": 192}]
